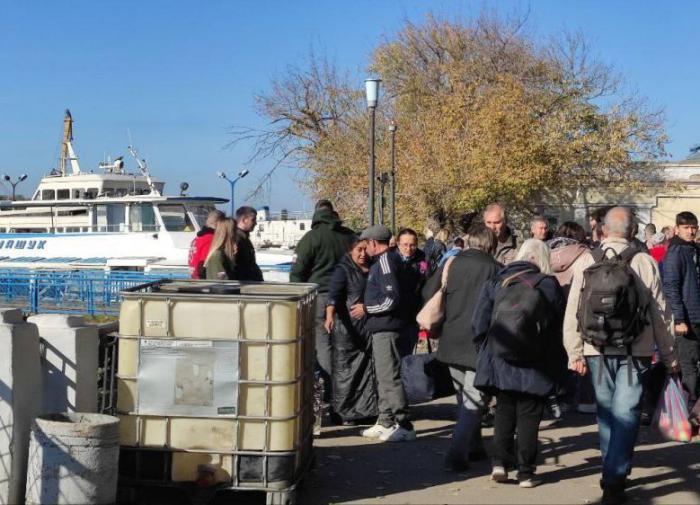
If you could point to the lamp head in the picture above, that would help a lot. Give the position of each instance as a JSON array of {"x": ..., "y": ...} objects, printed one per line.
[
  {"x": 243, "y": 173},
  {"x": 221, "y": 174},
  {"x": 22, "y": 177},
  {"x": 392, "y": 127},
  {"x": 6, "y": 177},
  {"x": 372, "y": 92}
]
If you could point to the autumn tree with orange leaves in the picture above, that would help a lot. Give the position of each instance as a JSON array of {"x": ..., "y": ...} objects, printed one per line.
[{"x": 484, "y": 113}]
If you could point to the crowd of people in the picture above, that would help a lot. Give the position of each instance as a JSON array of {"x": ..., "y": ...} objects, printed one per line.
[
  {"x": 565, "y": 320},
  {"x": 568, "y": 319}
]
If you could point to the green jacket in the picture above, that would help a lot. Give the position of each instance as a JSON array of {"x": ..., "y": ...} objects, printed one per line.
[
  {"x": 218, "y": 263},
  {"x": 320, "y": 249}
]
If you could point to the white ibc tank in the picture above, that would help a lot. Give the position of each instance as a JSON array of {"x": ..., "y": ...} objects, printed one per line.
[
  {"x": 73, "y": 458},
  {"x": 20, "y": 397},
  {"x": 69, "y": 363}
]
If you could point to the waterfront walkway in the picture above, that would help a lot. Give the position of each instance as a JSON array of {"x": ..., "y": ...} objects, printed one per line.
[{"x": 350, "y": 469}]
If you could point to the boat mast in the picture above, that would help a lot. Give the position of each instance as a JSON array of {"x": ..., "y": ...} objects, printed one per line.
[
  {"x": 144, "y": 171},
  {"x": 67, "y": 152}
]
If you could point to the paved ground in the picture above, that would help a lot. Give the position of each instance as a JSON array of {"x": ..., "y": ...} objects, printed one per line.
[{"x": 350, "y": 469}]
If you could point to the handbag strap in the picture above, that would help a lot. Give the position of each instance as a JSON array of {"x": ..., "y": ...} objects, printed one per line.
[{"x": 445, "y": 273}]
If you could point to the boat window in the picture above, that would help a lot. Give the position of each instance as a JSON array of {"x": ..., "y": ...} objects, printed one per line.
[
  {"x": 27, "y": 230},
  {"x": 76, "y": 194},
  {"x": 111, "y": 217},
  {"x": 48, "y": 194},
  {"x": 302, "y": 226},
  {"x": 142, "y": 217},
  {"x": 121, "y": 191},
  {"x": 3, "y": 230},
  {"x": 91, "y": 193},
  {"x": 200, "y": 213},
  {"x": 175, "y": 218},
  {"x": 63, "y": 194}
]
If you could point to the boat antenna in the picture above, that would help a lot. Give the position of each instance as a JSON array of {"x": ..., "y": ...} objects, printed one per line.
[
  {"x": 67, "y": 152},
  {"x": 144, "y": 170}
]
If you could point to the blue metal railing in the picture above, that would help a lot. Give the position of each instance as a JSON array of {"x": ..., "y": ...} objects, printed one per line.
[{"x": 89, "y": 292}]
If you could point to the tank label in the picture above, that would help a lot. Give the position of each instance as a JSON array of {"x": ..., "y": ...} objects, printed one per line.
[
  {"x": 155, "y": 323},
  {"x": 188, "y": 377}
]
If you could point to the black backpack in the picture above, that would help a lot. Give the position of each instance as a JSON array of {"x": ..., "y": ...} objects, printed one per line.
[
  {"x": 520, "y": 317},
  {"x": 612, "y": 309}
]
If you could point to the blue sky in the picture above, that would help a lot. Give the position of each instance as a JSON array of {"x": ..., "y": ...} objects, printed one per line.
[{"x": 177, "y": 74}]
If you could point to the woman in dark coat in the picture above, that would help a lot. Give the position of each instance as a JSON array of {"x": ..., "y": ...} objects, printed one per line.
[
  {"x": 522, "y": 383},
  {"x": 354, "y": 386},
  {"x": 468, "y": 271}
]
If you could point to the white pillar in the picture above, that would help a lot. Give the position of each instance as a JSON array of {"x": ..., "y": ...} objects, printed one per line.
[
  {"x": 20, "y": 390},
  {"x": 69, "y": 363}
]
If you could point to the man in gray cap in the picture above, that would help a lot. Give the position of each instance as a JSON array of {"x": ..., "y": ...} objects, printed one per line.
[{"x": 384, "y": 323}]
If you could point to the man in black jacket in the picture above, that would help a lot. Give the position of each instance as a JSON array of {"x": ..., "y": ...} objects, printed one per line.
[
  {"x": 682, "y": 290},
  {"x": 247, "y": 268},
  {"x": 385, "y": 321},
  {"x": 412, "y": 274},
  {"x": 467, "y": 274}
]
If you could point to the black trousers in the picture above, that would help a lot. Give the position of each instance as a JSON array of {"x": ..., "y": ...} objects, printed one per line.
[
  {"x": 517, "y": 413},
  {"x": 689, "y": 357}
]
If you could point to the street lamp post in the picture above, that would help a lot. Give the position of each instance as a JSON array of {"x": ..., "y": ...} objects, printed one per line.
[
  {"x": 14, "y": 184},
  {"x": 372, "y": 94},
  {"x": 232, "y": 183},
  {"x": 392, "y": 129}
]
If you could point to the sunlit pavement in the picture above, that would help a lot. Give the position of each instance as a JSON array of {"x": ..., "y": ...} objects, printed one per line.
[{"x": 350, "y": 469}]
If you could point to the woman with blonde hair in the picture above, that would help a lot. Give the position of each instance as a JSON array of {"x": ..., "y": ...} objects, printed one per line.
[
  {"x": 517, "y": 326},
  {"x": 221, "y": 260}
]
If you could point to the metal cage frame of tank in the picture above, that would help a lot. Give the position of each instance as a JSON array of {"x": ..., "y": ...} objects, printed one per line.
[{"x": 278, "y": 491}]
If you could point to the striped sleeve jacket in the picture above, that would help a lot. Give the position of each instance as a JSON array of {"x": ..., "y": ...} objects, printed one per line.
[{"x": 383, "y": 294}]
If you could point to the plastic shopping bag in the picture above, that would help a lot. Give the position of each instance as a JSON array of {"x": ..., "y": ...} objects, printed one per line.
[{"x": 672, "y": 412}]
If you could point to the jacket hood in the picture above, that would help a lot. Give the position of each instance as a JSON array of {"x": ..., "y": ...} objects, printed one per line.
[
  {"x": 324, "y": 216},
  {"x": 563, "y": 257},
  {"x": 205, "y": 231},
  {"x": 516, "y": 267}
]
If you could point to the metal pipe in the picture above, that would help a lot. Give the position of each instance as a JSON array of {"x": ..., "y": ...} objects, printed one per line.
[
  {"x": 370, "y": 206},
  {"x": 392, "y": 129}
]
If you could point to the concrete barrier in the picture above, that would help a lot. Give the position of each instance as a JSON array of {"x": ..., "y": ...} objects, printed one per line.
[
  {"x": 73, "y": 458},
  {"x": 20, "y": 399},
  {"x": 69, "y": 363}
]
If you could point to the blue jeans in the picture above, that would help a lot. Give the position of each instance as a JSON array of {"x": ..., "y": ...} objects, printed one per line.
[
  {"x": 466, "y": 436},
  {"x": 619, "y": 408}
]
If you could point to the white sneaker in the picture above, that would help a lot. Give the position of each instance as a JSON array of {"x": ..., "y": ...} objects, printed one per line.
[
  {"x": 375, "y": 431},
  {"x": 499, "y": 474},
  {"x": 398, "y": 434},
  {"x": 587, "y": 408}
]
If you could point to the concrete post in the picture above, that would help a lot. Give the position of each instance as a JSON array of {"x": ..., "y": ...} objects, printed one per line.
[
  {"x": 69, "y": 363},
  {"x": 20, "y": 390},
  {"x": 73, "y": 458}
]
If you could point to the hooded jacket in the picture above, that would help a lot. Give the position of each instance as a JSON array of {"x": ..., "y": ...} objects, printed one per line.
[
  {"x": 319, "y": 250},
  {"x": 199, "y": 249},
  {"x": 468, "y": 272},
  {"x": 563, "y": 258},
  {"x": 680, "y": 281},
  {"x": 493, "y": 373}
]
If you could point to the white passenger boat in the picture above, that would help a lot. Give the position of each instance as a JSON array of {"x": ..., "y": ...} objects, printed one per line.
[{"x": 107, "y": 218}]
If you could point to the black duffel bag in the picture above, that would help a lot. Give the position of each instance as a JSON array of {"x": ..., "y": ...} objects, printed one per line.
[{"x": 425, "y": 378}]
